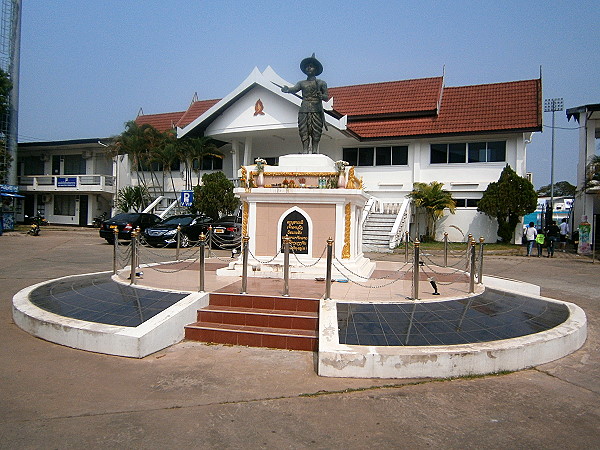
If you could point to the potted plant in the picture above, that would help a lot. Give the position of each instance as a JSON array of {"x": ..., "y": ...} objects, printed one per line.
[{"x": 260, "y": 168}]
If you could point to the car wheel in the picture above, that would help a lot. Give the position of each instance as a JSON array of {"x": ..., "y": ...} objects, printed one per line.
[{"x": 184, "y": 241}]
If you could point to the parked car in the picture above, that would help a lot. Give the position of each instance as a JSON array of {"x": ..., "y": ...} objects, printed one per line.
[
  {"x": 227, "y": 232},
  {"x": 165, "y": 233},
  {"x": 126, "y": 223}
]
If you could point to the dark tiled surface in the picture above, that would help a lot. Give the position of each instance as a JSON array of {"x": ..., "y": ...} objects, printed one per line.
[
  {"x": 96, "y": 298},
  {"x": 492, "y": 316}
]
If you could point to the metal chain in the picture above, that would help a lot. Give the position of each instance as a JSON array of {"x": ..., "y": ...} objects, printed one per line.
[
  {"x": 309, "y": 265},
  {"x": 369, "y": 278},
  {"x": 176, "y": 270},
  {"x": 263, "y": 262},
  {"x": 364, "y": 285}
]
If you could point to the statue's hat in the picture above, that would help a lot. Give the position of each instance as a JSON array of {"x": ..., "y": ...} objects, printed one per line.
[{"x": 315, "y": 62}]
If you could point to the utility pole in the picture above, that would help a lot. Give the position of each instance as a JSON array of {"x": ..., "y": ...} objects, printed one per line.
[{"x": 552, "y": 105}]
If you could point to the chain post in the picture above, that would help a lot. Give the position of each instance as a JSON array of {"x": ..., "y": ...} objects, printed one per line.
[
  {"x": 133, "y": 256},
  {"x": 406, "y": 246},
  {"x": 209, "y": 246},
  {"x": 245, "y": 240},
  {"x": 445, "y": 249},
  {"x": 115, "y": 249},
  {"x": 415, "y": 290},
  {"x": 469, "y": 240},
  {"x": 473, "y": 268},
  {"x": 202, "y": 264},
  {"x": 480, "y": 273},
  {"x": 328, "y": 272},
  {"x": 178, "y": 242},
  {"x": 286, "y": 266}
]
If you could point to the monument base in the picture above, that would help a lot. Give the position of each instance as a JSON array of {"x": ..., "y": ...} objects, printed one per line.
[{"x": 358, "y": 269}]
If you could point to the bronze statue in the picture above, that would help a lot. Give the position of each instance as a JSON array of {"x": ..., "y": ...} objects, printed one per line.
[{"x": 311, "y": 117}]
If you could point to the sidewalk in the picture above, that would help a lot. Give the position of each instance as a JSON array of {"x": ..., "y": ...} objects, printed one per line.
[{"x": 215, "y": 396}]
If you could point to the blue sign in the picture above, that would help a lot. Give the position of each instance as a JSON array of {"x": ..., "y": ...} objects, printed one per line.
[
  {"x": 66, "y": 182},
  {"x": 187, "y": 198}
]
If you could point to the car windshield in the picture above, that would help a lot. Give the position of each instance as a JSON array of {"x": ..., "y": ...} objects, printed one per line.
[
  {"x": 177, "y": 220},
  {"x": 226, "y": 219},
  {"x": 126, "y": 217}
]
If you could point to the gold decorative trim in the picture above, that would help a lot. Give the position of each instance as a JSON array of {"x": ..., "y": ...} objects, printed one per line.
[
  {"x": 353, "y": 181},
  {"x": 346, "y": 249},
  {"x": 297, "y": 174},
  {"x": 245, "y": 219}
]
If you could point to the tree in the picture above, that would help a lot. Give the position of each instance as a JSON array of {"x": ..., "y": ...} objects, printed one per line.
[
  {"x": 507, "y": 200},
  {"x": 134, "y": 198},
  {"x": 434, "y": 199},
  {"x": 561, "y": 189},
  {"x": 192, "y": 151},
  {"x": 215, "y": 197},
  {"x": 5, "y": 157}
]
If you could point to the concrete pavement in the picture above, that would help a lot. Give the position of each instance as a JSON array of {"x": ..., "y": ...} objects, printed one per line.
[{"x": 213, "y": 396}]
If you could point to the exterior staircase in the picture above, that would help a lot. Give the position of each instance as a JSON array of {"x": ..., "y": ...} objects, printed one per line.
[
  {"x": 258, "y": 321},
  {"x": 376, "y": 232}
]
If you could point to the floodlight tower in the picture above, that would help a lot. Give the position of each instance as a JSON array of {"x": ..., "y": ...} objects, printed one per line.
[
  {"x": 552, "y": 105},
  {"x": 10, "y": 45}
]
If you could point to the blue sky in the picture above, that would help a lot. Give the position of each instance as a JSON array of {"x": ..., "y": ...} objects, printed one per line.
[{"x": 88, "y": 66}]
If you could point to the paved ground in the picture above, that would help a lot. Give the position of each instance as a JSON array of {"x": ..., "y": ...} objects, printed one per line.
[{"x": 213, "y": 396}]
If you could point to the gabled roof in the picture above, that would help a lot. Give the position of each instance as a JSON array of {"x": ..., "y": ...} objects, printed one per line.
[
  {"x": 397, "y": 109},
  {"x": 394, "y": 98},
  {"x": 513, "y": 106}
]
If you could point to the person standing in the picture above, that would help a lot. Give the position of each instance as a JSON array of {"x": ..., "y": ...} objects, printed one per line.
[
  {"x": 552, "y": 233},
  {"x": 530, "y": 235},
  {"x": 539, "y": 239},
  {"x": 564, "y": 233}
]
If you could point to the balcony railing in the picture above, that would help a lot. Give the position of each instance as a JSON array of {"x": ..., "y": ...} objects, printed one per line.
[{"x": 47, "y": 183}]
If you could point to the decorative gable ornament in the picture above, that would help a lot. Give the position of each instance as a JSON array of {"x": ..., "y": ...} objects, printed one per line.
[{"x": 258, "y": 108}]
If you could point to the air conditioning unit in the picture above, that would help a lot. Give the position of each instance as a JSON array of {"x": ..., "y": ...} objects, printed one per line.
[{"x": 46, "y": 198}]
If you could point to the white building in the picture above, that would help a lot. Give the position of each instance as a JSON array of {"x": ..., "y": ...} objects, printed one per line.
[
  {"x": 587, "y": 202},
  {"x": 394, "y": 133}
]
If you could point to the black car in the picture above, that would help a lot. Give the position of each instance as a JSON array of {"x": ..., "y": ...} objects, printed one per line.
[
  {"x": 126, "y": 223},
  {"x": 227, "y": 232},
  {"x": 165, "y": 232}
]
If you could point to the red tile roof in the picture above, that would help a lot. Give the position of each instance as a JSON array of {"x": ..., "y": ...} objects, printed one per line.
[
  {"x": 391, "y": 98},
  {"x": 408, "y": 108},
  {"x": 482, "y": 108}
]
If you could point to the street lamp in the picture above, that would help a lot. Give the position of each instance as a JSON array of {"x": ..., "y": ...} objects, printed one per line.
[{"x": 552, "y": 105}]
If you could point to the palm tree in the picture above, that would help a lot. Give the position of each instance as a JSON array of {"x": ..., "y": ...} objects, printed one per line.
[
  {"x": 193, "y": 150},
  {"x": 434, "y": 200},
  {"x": 592, "y": 173}
]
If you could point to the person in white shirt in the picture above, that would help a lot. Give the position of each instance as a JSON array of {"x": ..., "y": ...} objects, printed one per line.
[
  {"x": 564, "y": 232},
  {"x": 530, "y": 235}
]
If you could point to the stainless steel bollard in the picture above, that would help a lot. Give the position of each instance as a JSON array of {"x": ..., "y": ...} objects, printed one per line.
[
  {"x": 210, "y": 237},
  {"x": 328, "y": 271},
  {"x": 445, "y": 249},
  {"x": 115, "y": 250},
  {"x": 178, "y": 242},
  {"x": 480, "y": 272},
  {"x": 286, "y": 266},
  {"x": 133, "y": 256},
  {"x": 202, "y": 263},
  {"x": 472, "y": 275},
  {"x": 245, "y": 240},
  {"x": 406, "y": 246},
  {"x": 415, "y": 290}
]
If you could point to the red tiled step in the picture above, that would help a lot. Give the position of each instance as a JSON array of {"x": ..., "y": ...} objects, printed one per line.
[
  {"x": 263, "y": 302},
  {"x": 274, "y": 318},
  {"x": 251, "y": 336}
]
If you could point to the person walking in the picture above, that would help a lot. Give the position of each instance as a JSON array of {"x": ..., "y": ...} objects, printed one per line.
[
  {"x": 564, "y": 233},
  {"x": 539, "y": 239},
  {"x": 530, "y": 235},
  {"x": 552, "y": 233}
]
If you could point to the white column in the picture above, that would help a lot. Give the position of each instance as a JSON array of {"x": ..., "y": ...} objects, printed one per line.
[
  {"x": 235, "y": 150},
  {"x": 248, "y": 151}
]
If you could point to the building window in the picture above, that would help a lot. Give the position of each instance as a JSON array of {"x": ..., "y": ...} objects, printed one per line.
[
  {"x": 208, "y": 162},
  {"x": 487, "y": 151},
  {"x": 272, "y": 161},
  {"x": 64, "y": 205},
  {"x": 395, "y": 155},
  {"x": 32, "y": 165},
  {"x": 466, "y": 202},
  {"x": 456, "y": 153},
  {"x": 157, "y": 166}
]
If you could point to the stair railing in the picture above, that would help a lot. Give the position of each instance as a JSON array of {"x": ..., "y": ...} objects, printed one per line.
[{"x": 400, "y": 224}]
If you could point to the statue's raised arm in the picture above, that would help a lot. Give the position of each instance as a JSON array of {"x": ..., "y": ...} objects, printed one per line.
[{"x": 311, "y": 117}]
